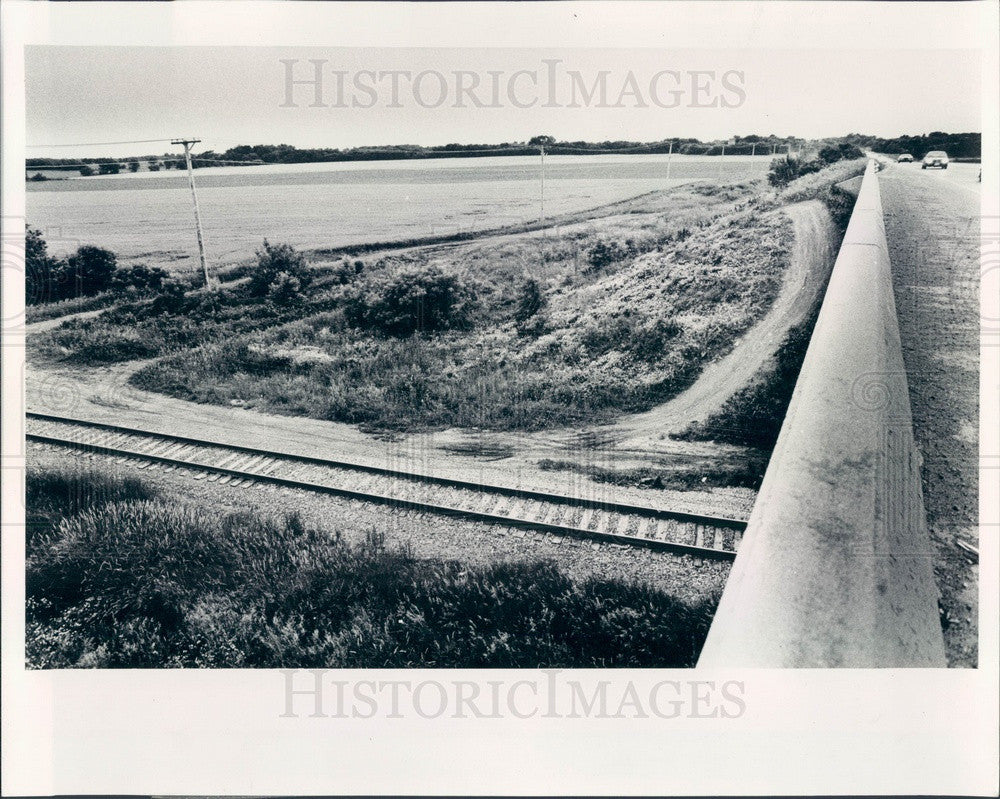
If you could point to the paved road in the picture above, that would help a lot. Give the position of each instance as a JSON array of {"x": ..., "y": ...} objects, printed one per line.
[
  {"x": 965, "y": 175},
  {"x": 932, "y": 226}
]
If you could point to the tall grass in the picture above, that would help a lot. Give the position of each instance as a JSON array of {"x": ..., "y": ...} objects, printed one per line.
[
  {"x": 159, "y": 583},
  {"x": 620, "y": 341},
  {"x": 754, "y": 416},
  {"x": 680, "y": 276},
  {"x": 53, "y": 494},
  {"x": 42, "y": 312}
]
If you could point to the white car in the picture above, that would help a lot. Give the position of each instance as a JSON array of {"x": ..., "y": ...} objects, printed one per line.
[
  {"x": 905, "y": 158},
  {"x": 935, "y": 158}
]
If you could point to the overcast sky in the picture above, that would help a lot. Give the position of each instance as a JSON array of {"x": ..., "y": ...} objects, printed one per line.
[{"x": 235, "y": 95}]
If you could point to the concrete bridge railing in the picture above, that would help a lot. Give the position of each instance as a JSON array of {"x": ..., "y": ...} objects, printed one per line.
[{"x": 835, "y": 568}]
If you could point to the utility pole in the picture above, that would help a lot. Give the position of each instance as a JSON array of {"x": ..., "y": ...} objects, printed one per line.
[
  {"x": 194, "y": 196},
  {"x": 670, "y": 157},
  {"x": 542, "y": 149}
]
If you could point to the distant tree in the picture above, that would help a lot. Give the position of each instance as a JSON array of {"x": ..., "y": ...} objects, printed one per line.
[
  {"x": 37, "y": 177},
  {"x": 133, "y": 165},
  {"x": 88, "y": 271},
  {"x": 839, "y": 152},
  {"x": 849, "y": 152},
  {"x": 112, "y": 168},
  {"x": 36, "y": 249},
  {"x": 546, "y": 141},
  {"x": 86, "y": 171},
  {"x": 153, "y": 165}
]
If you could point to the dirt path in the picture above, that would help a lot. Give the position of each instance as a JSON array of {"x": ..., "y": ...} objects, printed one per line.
[
  {"x": 103, "y": 394},
  {"x": 49, "y": 324},
  {"x": 932, "y": 226},
  {"x": 640, "y": 441},
  {"x": 812, "y": 258}
]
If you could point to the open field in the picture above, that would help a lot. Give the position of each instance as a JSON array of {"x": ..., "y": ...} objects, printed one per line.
[
  {"x": 629, "y": 308},
  {"x": 640, "y": 241},
  {"x": 148, "y": 217}
]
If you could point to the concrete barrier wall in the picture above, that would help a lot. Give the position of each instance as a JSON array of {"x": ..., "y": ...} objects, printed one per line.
[{"x": 835, "y": 568}]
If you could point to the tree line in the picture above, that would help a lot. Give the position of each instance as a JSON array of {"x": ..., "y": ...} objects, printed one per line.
[{"x": 957, "y": 145}]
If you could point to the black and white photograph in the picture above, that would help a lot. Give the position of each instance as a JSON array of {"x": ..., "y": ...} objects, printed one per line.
[{"x": 607, "y": 363}]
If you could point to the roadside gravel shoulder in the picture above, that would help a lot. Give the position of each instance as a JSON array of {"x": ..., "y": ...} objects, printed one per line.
[{"x": 932, "y": 227}]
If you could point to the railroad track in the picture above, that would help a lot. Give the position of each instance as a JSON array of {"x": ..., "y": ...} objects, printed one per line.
[{"x": 600, "y": 522}]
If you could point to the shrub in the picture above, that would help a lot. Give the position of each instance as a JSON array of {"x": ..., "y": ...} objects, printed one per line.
[
  {"x": 783, "y": 171},
  {"x": 605, "y": 253},
  {"x": 91, "y": 269},
  {"x": 840, "y": 152},
  {"x": 530, "y": 300},
  {"x": 347, "y": 271},
  {"x": 412, "y": 299},
  {"x": 170, "y": 298},
  {"x": 138, "y": 279},
  {"x": 274, "y": 260},
  {"x": 285, "y": 289},
  {"x": 85, "y": 171}
]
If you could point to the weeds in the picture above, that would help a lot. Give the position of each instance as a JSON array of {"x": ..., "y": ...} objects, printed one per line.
[
  {"x": 149, "y": 582},
  {"x": 535, "y": 355},
  {"x": 683, "y": 474},
  {"x": 490, "y": 336},
  {"x": 753, "y": 416}
]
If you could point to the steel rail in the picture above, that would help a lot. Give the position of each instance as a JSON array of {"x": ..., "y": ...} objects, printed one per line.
[{"x": 622, "y": 510}]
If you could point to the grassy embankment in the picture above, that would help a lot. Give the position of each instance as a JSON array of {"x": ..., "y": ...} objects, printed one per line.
[
  {"x": 753, "y": 416},
  {"x": 610, "y": 316},
  {"x": 123, "y": 574}
]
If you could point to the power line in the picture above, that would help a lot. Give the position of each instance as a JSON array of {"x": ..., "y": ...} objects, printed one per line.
[
  {"x": 100, "y": 143},
  {"x": 126, "y": 161}
]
